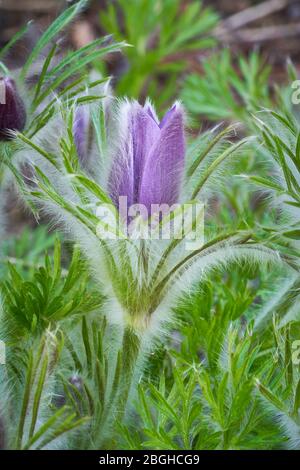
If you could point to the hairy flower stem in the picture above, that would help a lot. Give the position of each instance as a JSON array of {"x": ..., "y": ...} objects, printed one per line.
[
  {"x": 119, "y": 399},
  {"x": 130, "y": 354}
]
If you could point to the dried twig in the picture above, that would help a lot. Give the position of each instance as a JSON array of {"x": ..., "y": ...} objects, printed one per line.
[
  {"x": 267, "y": 33},
  {"x": 249, "y": 15},
  {"x": 28, "y": 5}
]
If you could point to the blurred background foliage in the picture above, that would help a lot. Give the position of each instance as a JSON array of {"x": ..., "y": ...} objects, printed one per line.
[{"x": 225, "y": 379}]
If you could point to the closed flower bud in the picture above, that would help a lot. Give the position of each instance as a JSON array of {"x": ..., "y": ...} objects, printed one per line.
[
  {"x": 12, "y": 109},
  {"x": 149, "y": 163},
  {"x": 81, "y": 133}
]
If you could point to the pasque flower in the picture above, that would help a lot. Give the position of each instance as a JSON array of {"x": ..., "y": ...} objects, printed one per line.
[
  {"x": 12, "y": 109},
  {"x": 141, "y": 158},
  {"x": 148, "y": 163}
]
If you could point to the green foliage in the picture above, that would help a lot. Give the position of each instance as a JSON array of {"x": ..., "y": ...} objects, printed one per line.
[
  {"x": 211, "y": 314},
  {"x": 162, "y": 33},
  {"x": 282, "y": 391},
  {"x": 54, "y": 29},
  {"x": 207, "y": 408},
  {"x": 280, "y": 134},
  {"x": 26, "y": 251},
  {"x": 100, "y": 371},
  {"x": 51, "y": 295},
  {"x": 225, "y": 385},
  {"x": 230, "y": 88},
  {"x": 67, "y": 79},
  {"x": 29, "y": 420}
]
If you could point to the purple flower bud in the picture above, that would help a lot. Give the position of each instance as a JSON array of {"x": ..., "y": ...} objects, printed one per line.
[
  {"x": 12, "y": 109},
  {"x": 81, "y": 132},
  {"x": 149, "y": 162}
]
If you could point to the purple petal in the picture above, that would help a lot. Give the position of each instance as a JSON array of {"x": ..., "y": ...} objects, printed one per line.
[
  {"x": 148, "y": 108},
  {"x": 121, "y": 178},
  {"x": 81, "y": 132},
  {"x": 12, "y": 109},
  {"x": 141, "y": 132},
  {"x": 167, "y": 116},
  {"x": 164, "y": 165},
  {"x": 145, "y": 133}
]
